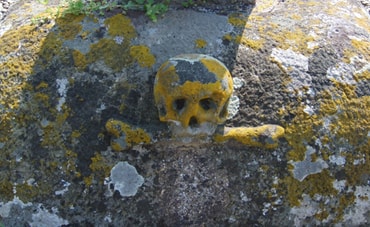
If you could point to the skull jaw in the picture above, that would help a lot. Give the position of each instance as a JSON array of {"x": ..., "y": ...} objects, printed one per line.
[{"x": 202, "y": 130}]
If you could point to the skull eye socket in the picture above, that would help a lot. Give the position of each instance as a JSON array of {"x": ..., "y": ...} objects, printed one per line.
[
  {"x": 224, "y": 111},
  {"x": 179, "y": 104},
  {"x": 208, "y": 104}
]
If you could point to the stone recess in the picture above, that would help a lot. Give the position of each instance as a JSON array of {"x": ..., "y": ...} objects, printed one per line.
[{"x": 77, "y": 107}]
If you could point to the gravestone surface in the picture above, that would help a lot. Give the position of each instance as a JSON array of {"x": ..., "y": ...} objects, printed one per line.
[{"x": 81, "y": 141}]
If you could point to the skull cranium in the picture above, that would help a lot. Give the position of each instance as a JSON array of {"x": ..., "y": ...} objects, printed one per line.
[{"x": 192, "y": 92}]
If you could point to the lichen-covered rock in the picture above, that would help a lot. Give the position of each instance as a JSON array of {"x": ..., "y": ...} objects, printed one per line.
[{"x": 73, "y": 88}]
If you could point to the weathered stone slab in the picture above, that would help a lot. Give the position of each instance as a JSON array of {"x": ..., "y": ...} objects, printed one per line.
[{"x": 77, "y": 104}]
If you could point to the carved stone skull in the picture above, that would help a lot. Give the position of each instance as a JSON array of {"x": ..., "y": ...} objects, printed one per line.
[{"x": 192, "y": 92}]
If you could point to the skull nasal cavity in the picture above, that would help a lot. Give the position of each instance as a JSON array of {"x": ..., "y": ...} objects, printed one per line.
[
  {"x": 179, "y": 104},
  {"x": 193, "y": 122}
]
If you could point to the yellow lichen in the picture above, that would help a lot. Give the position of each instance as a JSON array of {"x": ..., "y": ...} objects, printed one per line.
[
  {"x": 126, "y": 135},
  {"x": 119, "y": 25},
  {"x": 69, "y": 26},
  {"x": 253, "y": 136},
  {"x": 142, "y": 55},
  {"x": 300, "y": 131},
  {"x": 365, "y": 75},
  {"x": 319, "y": 183},
  {"x": 42, "y": 85},
  {"x": 79, "y": 60},
  {"x": 200, "y": 43},
  {"x": 42, "y": 97},
  {"x": 255, "y": 44},
  {"x": 100, "y": 169},
  {"x": 294, "y": 39},
  {"x": 237, "y": 20},
  {"x": 362, "y": 47},
  {"x": 116, "y": 56},
  {"x": 51, "y": 47}
]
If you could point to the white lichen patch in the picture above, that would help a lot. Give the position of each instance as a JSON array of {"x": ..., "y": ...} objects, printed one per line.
[
  {"x": 290, "y": 59},
  {"x": 44, "y": 218},
  {"x": 238, "y": 82},
  {"x": 40, "y": 216},
  {"x": 125, "y": 179},
  {"x": 358, "y": 214},
  {"x": 308, "y": 208},
  {"x": 296, "y": 65},
  {"x": 6, "y": 207},
  {"x": 118, "y": 40},
  {"x": 62, "y": 85},
  {"x": 306, "y": 167},
  {"x": 342, "y": 73},
  {"x": 309, "y": 110},
  {"x": 65, "y": 188},
  {"x": 338, "y": 160},
  {"x": 233, "y": 107}
]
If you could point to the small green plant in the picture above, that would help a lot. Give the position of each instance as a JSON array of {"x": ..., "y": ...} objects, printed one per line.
[
  {"x": 150, "y": 7},
  {"x": 44, "y": 2},
  {"x": 187, "y": 3},
  {"x": 152, "y": 10},
  {"x": 80, "y": 7}
]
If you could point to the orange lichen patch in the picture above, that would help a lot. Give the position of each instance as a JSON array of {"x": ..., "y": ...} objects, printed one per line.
[
  {"x": 142, "y": 55},
  {"x": 120, "y": 25},
  {"x": 263, "y": 136}
]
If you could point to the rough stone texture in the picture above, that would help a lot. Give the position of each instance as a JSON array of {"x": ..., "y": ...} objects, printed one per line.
[{"x": 304, "y": 65}]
